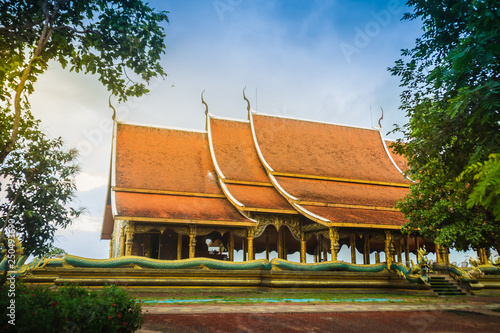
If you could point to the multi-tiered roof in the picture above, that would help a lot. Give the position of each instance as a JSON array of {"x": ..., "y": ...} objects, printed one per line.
[{"x": 331, "y": 174}]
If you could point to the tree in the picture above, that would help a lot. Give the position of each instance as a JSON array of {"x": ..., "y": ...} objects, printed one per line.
[
  {"x": 38, "y": 178},
  {"x": 55, "y": 252},
  {"x": 105, "y": 38},
  {"x": 452, "y": 99}
]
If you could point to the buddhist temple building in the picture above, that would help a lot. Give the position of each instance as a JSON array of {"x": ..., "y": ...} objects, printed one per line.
[{"x": 268, "y": 184}]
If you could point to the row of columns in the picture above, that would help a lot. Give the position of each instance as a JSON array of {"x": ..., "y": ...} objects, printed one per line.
[
  {"x": 392, "y": 250},
  {"x": 127, "y": 236}
]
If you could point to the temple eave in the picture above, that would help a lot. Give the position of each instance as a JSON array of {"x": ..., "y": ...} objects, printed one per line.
[{"x": 187, "y": 221}]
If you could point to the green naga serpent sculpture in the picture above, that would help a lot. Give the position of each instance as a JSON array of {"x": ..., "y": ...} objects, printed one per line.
[
  {"x": 143, "y": 262},
  {"x": 208, "y": 263},
  {"x": 416, "y": 273}
]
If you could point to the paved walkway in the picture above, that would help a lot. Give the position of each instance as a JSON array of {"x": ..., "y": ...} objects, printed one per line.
[{"x": 293, "y": 308}]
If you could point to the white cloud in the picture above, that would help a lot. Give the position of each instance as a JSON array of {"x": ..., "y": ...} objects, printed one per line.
[
  {"x": 84, "y": 223},
  {"x": 82, "y": 238},
  {"x": 86, "y": 182}
]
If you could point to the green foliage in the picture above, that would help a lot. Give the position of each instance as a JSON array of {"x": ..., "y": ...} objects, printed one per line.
[
  {"x": 452, "y": 99},
  {"x": 105, "y": 38},
  {"x": 486, "y": 192},
  {"x": 70, "y": 309},
  {"x": 55, "y": 252},
  {"x": 39, "y": 182},
  {"x": 120, "y": 42}
]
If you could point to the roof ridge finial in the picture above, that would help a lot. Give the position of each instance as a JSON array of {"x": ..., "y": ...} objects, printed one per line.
[
  {"x": 203, "y": 102},
  {"x": 380, "y": 120},
  {"x": 246, "y": 99},
  {"x": 113, "y": 117}
]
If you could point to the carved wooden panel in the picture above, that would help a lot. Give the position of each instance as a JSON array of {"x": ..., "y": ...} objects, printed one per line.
[{"x": 278, "y": 221}]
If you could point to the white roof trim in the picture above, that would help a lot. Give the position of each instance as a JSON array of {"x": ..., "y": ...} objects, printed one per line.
[
  {"x": 281, "y": 189},
  {"x": 257, "y": 148},
  {"x": 315, "y": 121},
  {"x": 162, "y": 127},
  {"x": 114, "y": 211},
  {"x": 212, "y": 152},
  {"x": 110, "y": 194},
  {"x": 229, "y": 195},
  {"x": 392, "y": 160},
  {"x": 230, "y": 119},
  {"x": 113, "y": 156},
  {"x": 309, "y": 214}
]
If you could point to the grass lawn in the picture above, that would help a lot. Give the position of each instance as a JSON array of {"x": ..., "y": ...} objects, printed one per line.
[{"x": 153, "y": 297}]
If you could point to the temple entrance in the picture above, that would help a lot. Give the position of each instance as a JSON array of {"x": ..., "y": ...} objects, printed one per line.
[
  {"x": 273, "y": 243},
  {"x": 151, "y": 245}
]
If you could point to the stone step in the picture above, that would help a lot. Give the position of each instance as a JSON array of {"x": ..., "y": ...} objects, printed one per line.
[{"x": 441, "y": 286}]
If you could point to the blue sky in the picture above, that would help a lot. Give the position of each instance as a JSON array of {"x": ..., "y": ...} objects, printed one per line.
[{"x": 318, "y": 60}]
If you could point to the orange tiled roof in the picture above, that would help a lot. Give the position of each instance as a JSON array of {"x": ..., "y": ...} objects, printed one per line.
[
  {"x": 259, "y": 197},
  {"x": 333, "y": 174},
  {"x": 167, "y": 175},
  {"x": 234, "y": 153},
  {"x": 177, "y": 208},
  {"x": 164, "y": 159},
  {"x": 359, "y": 217},
  {"x": 320, "y": 149},
  {"x": 342, "y": 192}
]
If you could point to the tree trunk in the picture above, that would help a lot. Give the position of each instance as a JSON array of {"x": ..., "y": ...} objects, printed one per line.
[{"x": 42, "y": 42}]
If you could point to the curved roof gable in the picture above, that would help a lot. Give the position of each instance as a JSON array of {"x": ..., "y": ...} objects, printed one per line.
[
  {"x": 325, "y": 150},
  {"x": 400, "y": 161},
  {"x": 244, "y": 179},
  {"x": 332, "y": 174},
  {"x": 235, "y": 152}
]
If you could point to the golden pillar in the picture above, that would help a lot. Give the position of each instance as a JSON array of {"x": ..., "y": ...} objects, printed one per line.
[
  {"x": 231, "y": 246},
  {"x": 388, "y": 248},
  {"x": 192, "y": 241},
  {"x": 244, "y": 249},
  {"x": 285, "y": 251},
  {"x": 353, "y": 248},
  {"x": 250, "y": 237},
  {"x": 366, "y": 249},
  {"x": 482, "y": 255},
  {"x": 179, "y": 247},
  {"x": 129, "y": 233},
  {"x": 438, "y": 253},
  {"x": 447, "y": 254},
  {"x": 267, "y": 245},
  {"x": 407, "y": 250},
  {"x": 280, "y": 243},
  {"x": 324, "y": 248},
  {"x": 111, "y": 245},
  {"x": 377, "y": 258},
  {"x": 319, "y": 249},
  {"x": 398, "y": 251},
  {"x": 122, "y": 241},
  {"x": 302, "y": 248},
  {"x": 334, "y": 242},
  {"x": 417, "y": 247}
]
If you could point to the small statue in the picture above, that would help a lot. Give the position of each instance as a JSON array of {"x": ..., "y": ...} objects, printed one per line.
[{"x": 474, "y": 262}]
